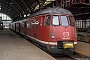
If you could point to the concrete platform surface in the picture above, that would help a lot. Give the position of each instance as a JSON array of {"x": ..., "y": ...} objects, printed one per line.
[
  {"x": 14, "y": 47},
  {"x": 83, "y": 48}
]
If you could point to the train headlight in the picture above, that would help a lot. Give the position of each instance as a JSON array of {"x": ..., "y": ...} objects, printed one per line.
[{"x": 52, "y": 35}]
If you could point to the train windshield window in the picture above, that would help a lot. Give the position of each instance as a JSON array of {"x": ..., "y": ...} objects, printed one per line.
[
  {"x": 47, "y": 23},
  {"x": 64, "y": 21},
  {"x": 55, "y": 20},
  {"x": 72, "y": 23}
]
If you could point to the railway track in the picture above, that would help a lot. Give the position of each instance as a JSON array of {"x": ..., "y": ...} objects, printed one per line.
[
  {"x": 75, "y": 56},
  {"x": 63, "y": 57},
  {"x": 78, "y": 56}
]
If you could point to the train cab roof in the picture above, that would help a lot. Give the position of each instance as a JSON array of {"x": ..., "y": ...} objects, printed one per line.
[{"x": 56, "y": 10}]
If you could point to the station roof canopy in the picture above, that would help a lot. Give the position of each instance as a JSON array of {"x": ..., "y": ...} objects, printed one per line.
[{"x": 16, "y": 9}]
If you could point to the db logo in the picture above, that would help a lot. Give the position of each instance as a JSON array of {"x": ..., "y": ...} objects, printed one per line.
[{"x": 66, "y": 34}]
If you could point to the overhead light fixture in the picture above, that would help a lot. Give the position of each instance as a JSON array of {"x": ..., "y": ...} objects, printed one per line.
[
  {"x": 37, "y": 7},
  {"x": 25, "y": 15},
  {"x": 48, "y": 2},
  {"x": 28, "y": 14}
]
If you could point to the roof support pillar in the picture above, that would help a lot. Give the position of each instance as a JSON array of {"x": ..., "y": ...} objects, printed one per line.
[
  {"x": 57, "y": 3},
  {"x": 63, "y": 3},
  {"x": 68, "y": 2}
]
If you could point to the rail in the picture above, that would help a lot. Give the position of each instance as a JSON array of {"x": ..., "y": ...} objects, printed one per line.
[{"x": 75, "y": 56}]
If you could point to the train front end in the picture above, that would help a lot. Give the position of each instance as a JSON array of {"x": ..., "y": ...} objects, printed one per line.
[{"x": 63, "y": 34}]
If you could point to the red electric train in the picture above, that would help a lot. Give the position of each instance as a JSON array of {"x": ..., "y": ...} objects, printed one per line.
[{"x": 53, "y": 28}]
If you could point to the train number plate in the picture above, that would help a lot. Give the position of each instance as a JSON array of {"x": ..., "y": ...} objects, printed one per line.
[{"x": 68, "y": 45}]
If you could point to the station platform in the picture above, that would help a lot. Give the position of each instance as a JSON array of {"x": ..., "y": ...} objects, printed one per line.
[
  {"x": 83, "y": 48},
  {"x": 14, "y": 47}
]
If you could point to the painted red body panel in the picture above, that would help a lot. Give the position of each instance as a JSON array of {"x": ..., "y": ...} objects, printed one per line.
[{"x": 42, "y": 33}]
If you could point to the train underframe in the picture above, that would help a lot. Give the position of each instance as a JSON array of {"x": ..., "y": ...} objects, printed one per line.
[{"x": 66, "y": 51}]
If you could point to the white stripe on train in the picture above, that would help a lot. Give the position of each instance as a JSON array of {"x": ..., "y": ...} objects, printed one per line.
[{"x": 50, "y": 43}]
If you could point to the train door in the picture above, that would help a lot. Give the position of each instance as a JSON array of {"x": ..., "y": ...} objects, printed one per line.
[
  {"x": 37, "y": 33},
  {"x": 15, "y": 27},
  {"x": 25, "y": 28},
  {"x": 46, "y": 28},
  {"x": 42, "y": 26},
  {"x": 1, "y": 25},
  {"x": 19, "y": 27}
]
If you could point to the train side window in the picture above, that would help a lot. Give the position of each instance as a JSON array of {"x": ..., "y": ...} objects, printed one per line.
[
  {"x": 43, "y": 17},
  {"x": 37, "y": 22},
  {"x": 28, "y": 25},
  {"x": 72, "y": 23},
  {"x": 47, "y": 23},
  {"x": 32, "y": 24},
  {"x": 55, "y": 20},
  {"x": 22, "y": 24},
  {"x": 64, "y": 21},
  {"x": 25, "y": 25}
]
